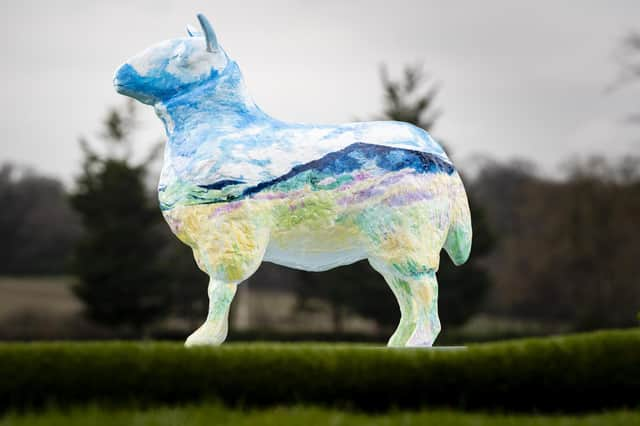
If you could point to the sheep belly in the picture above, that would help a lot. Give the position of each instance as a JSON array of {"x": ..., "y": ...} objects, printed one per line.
[{"x": 390, "y": 216}]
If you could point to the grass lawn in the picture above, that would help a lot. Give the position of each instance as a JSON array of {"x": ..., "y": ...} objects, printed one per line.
[{"x": 211, "y": 414}]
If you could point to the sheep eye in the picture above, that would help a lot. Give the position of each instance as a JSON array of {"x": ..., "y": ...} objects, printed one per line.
[
  {"x": 181, "y": 61},
  {"x": 178, "y": 52}
]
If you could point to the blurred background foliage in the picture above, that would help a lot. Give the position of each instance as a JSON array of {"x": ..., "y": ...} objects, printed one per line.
[{"x": 549, "y": 254}]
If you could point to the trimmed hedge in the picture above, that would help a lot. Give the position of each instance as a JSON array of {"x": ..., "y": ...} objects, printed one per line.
[
  {"x": 586, "y": 372},
  {"x": 205, "y": 414}
]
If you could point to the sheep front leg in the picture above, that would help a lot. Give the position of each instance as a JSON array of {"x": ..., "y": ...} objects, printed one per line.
[{"x": 214, "y": 330}]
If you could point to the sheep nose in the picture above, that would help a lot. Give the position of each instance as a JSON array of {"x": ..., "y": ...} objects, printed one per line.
[
  {"x": 117, "y": 79},
  {"x": 123, "y": 77}
]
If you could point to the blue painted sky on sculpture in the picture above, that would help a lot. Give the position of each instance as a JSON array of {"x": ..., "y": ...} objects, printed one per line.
[{"x": 218, "y": 134}]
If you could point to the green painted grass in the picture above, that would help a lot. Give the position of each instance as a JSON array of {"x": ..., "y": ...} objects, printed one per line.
[{"x": 210, "y": 414}]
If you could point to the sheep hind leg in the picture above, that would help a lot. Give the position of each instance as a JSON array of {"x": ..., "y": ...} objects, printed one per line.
[
  {"x": 214, "y": 330},
  {"x": 417, "y": 297}
]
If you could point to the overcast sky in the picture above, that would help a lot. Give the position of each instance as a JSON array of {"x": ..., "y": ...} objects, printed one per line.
[{"x": 520, "y": 79}]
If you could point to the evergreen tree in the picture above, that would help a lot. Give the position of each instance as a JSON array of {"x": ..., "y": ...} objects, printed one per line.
[
  {"x": 121, "y": 279},
  {"x": 406, "y": 101}
]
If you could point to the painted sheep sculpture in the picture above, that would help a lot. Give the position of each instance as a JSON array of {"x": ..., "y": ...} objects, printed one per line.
[{"x": 240, "y": 187}]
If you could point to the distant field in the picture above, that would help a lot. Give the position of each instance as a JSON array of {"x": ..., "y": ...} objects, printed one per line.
[
  {"x": 51, "y": 295},
  {"x": 45, "y": 308},
  {"x": 207, "y": 415}
]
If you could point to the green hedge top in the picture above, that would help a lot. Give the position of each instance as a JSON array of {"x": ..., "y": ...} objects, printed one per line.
[{"x": 574, "y": 373}]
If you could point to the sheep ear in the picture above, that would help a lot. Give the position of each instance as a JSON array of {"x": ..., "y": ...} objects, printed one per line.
[
  {"x": 212, "y": 41},
  {"x": 193, "y": 32}
]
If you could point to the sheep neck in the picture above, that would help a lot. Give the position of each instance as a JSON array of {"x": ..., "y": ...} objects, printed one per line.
[{"x": 222, "y": 105}]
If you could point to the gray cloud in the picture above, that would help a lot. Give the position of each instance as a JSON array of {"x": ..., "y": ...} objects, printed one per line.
[{"x": 522, "y": 79}]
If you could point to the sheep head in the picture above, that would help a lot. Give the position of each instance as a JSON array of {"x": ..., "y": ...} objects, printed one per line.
[{"x": 168, "y": 68}]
